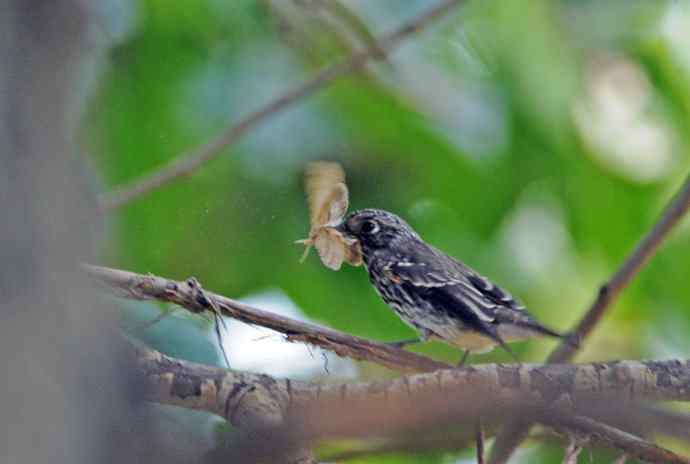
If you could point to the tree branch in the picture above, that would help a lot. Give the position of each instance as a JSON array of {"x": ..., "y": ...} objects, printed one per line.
[
  {"x": 189, "y": 162},
  {"x": 355, "y": 410},
  {"x": 253, "y": 403},
  {"x": 630, "y": 444},
  {"x": 515, "y": 432},
  {"x": 190, "y": 296},
  {"x": 631, "y": 267}
]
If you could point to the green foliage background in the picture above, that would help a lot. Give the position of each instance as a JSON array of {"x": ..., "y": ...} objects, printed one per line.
[{"x": 471, "y": 132}]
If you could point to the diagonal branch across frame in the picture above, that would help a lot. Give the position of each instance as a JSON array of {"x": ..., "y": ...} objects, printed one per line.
[
  {"x": 192, "y": 297},
  {"x": 513, "y": 433},
  {"x": 188, "y": 163}
]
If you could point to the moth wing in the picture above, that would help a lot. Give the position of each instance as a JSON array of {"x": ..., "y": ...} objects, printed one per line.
[
  {"x": 331, "y": 249},
  {"x": 325, "y": 186},
  {"x": 337, "y": 204},
  {"x": 353, "y": 252}
]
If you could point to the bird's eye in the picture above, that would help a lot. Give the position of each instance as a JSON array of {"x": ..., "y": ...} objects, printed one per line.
[{"x": 370, "y": 227}]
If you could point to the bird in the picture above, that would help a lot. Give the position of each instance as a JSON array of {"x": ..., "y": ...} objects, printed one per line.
[{"x": 434, "y": 293}]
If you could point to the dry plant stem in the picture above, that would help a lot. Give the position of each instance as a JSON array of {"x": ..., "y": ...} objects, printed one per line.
[
  {"x": 190, "y": 296},
  {"x": 515, "y": 432},
  {"x": 189, "y": 162},
  {"x": 255, "y": 400}
]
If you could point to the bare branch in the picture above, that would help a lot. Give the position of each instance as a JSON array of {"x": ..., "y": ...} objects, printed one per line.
[
  {"x": 374, "y": 409},
  {"x": 189, "y": 162},
  {"x": 630, "y": 268},
  {"x": 216, "y": 390},
  {"x": 479, "y": 441},
  {"x": 190, "y": 296},
  {"x": 631, "y": 445},
  {"x": 572, "y": 451},
  {"x": 253, "y": 403},
  {"x": 515, "y": 432}
]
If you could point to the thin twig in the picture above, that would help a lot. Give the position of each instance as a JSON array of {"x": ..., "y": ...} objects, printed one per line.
[
  {"x": 631, "y": 445},
  {"x": 515, "y": 432},
  {"x": 189, "y": 162},
  {"x": 479, "y": 441},
  {"x": 148, "y": 324},
  {"x": 630, "y": 268},
  {"x": 192, "y": 297},
  {"x": 572, "y": 451}
]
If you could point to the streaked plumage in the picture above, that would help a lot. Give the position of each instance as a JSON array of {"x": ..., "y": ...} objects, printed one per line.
[{"x": 436, "y": 294}]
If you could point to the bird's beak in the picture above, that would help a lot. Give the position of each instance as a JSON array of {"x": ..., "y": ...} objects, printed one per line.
[{"x": 342, "y": 229}]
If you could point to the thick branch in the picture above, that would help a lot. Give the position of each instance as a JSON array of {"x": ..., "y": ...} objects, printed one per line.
[
  {"x": 187, "y": 163},
  {"x": 189, "y": 295},
  {"x": 515, "y": 432},
  {"x": 221, "y": 391},
  {"x": 392, "y": 406},
  {"x": 253, "y": 403}
]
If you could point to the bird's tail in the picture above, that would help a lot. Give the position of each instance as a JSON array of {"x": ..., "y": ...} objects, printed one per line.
[
  {"x": 571, "y": 338},
  {"x": 491, "y": 331}
]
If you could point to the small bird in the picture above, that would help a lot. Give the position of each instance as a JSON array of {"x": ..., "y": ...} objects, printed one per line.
[{"x": 436, "y": 294}]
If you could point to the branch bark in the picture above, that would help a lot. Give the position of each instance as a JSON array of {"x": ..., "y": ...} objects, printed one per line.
[
  {"x": 190, "y": 296},
  {"x": 187, "y": 163},
  {"x": 515, "y": 432},
  {"x": 253, "y": 403},
  {"x": 630, "y": 444},
  {"x": 355, "y": 410},
  {"x": 215, "y": 390}
]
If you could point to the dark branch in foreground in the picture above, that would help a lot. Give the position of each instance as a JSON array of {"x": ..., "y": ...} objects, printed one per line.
[
  {"x": 187, "y": 163},
  {"x": 190, "y": 296},
  {"x": 309, "y": 412},
  {"x": 515, "y": 432}
]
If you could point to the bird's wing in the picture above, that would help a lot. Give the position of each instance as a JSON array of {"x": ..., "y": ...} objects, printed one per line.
[
  {"x": 471, "y": 297},
  {"x": 429, "y": 267},
  {"x": 507, "y": 309},
  {"x": 429, "y": 274},
  {"x": 462, "y": 304}
]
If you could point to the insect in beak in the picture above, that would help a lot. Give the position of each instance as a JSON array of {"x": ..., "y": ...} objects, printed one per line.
[{"x": 341, "y": 228}]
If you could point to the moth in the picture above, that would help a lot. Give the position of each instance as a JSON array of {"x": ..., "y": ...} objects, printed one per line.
[{"x": 328, "y": 200}]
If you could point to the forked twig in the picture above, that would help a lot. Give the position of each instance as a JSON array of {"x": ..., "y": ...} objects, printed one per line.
[{"x": 515, "y": 432}]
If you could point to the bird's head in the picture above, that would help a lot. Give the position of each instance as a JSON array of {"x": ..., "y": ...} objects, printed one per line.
[{"x": 376, "y": 229}]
